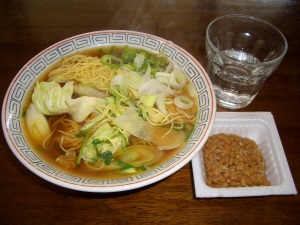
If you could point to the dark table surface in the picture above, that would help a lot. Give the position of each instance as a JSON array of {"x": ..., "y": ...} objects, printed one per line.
[{"x": 28, "y": 27}]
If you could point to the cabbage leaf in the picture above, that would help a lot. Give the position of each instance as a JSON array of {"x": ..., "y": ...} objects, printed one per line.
[
  {"x": 37, "y": 124},
  {"x": 131, "y": 122},
  {"x": 49, "y": 98},
  {"x": 106, "y": 138}
]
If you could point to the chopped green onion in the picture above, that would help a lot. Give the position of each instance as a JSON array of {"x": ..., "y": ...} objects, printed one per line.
[
  {"x": 128, "y": 55},
  {"x": 82, "y": 147},
  {"x": 123, "y": 140},
  {"x": 126, "y": 168},
  {"x": 124, "y": 165},
  {"x": 111, "y": 61},
  {"x": 148, "y": 100},
  {"x": 95, "y": 142},
  {"x": 143, "y": 168}
]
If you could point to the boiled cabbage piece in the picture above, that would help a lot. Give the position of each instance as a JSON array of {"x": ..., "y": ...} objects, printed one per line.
[
  {"x": 37, "y": 124},
  {"x": 80, "y": 108},
  {"x": 49, "y": 98},
  {"x": 106, "y": 138},
  {"x": 131, "y": 122}
]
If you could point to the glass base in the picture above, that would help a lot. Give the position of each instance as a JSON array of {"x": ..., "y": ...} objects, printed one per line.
[{"x": 230, "y": 105}]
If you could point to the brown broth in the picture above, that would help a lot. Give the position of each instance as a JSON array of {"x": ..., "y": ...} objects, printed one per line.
[
  {"x": 49, "y": 156},
  {"x": 81, "y": 170}
]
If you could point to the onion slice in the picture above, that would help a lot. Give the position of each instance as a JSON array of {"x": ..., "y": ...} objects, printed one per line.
[
  {"x": 177, "y": 79},
  {"x": 134, "y": 80},
  {"x": 117, "y": 80},
  {"x": 160, "y": 104},
  {"x": 183, "y": 102}
]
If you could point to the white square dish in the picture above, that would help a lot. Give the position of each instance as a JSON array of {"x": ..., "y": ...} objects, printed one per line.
[{"x": 260, "y": 127}]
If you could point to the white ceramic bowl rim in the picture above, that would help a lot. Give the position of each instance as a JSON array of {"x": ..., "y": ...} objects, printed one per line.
[{"x": 27, "y": 76}]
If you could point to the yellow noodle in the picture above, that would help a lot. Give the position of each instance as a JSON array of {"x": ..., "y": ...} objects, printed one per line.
[
  {"x": 84, "y": 69},
  {"x": 95, "y": 165},
  {"x": 175, "y": 118},
  {"x": 65, "y": 131},
  {"x": 49, "y": 145}
]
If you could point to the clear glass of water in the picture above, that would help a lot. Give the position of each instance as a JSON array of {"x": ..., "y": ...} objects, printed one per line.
[{"x": 243, "y": 51}]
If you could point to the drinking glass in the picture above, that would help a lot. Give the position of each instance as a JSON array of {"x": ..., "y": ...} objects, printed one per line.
[{"x": 243, "y": 51}]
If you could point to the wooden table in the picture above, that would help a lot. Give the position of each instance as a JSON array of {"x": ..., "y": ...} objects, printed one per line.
[{"x": 28, "y": 27}]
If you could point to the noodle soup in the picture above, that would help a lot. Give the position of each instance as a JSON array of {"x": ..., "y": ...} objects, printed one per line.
[{"x": 110, "y": 112}]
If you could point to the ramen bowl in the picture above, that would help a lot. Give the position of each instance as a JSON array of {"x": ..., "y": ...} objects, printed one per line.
[{"x": 26, "y": 78}]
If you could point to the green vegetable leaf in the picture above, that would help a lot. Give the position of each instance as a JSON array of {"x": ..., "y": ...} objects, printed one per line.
[
  {"x": 129, "y": 168},
  {"x": 106, "y": 156},
  {"x": 124, "y": 165},
  {"x": 96, "y": 142}
]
